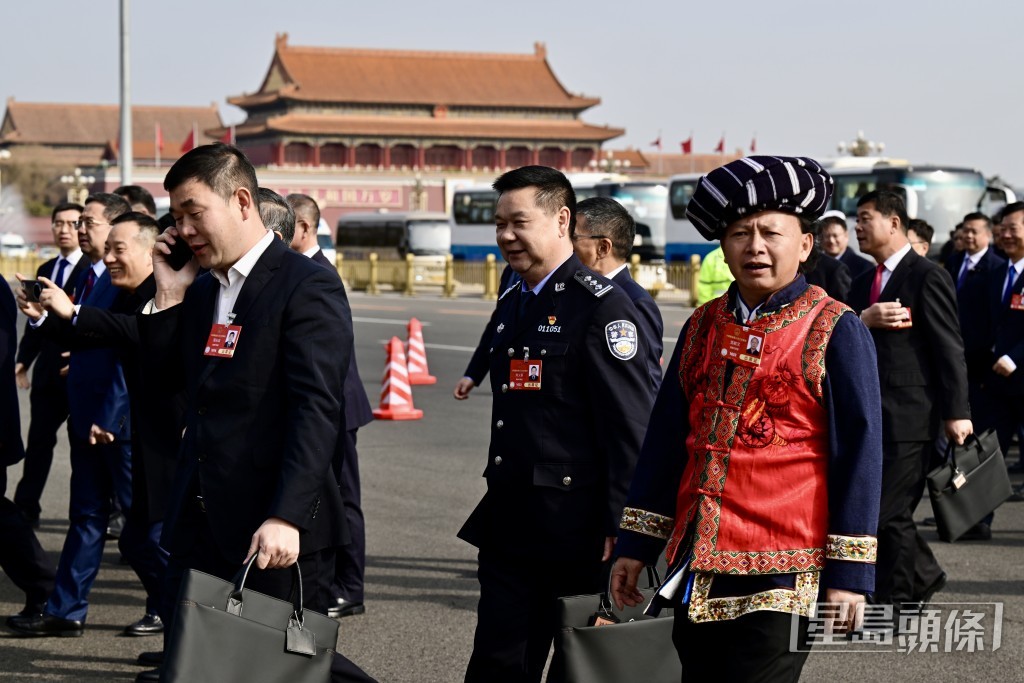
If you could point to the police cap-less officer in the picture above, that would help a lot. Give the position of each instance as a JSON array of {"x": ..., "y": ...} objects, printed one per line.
[{"x": 563, "y": 447}]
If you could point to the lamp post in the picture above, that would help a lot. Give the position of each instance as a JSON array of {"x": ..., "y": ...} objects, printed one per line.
[
  {"x": 861, "y": 147},
  {"x": 78, "y": 186},
  {"x": 609, "y": 164}
]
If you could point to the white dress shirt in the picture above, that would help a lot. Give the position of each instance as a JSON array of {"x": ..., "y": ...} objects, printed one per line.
[{"x": 231, "y": 284}]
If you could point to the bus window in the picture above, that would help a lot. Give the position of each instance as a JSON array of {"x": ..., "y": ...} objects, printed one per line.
[
  {"x": 680, "y": 192},
  {"x": 474, "y": 207},
  {"x": 430, "y": 238},
  {"x": 850, "y": 188}
]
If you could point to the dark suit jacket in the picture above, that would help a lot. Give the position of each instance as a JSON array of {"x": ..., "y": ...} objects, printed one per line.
[
  {"x": 156, "y": 416},
  {"x": 11, "y": 447},
  {"x": 921, "y": 369},
  {"x": 41, "y": 349},
  {"x": 858, "y": 265},
  {"x": 358, "y": 411},
  {"x": 262, "y": 426},
  {"x": 649, "y": 322},
  {"x": 1007, "y": 333},
  {"x": 831, "y": 275},
  {"x": 97, "y": 391},
  {"x": 976, "y": 310}
]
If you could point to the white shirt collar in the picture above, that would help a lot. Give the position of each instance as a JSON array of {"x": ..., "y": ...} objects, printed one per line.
[
  {"x": 99, "y": 268},
  {"x": 894, "y": 260},
  {"x": 72, "y": 258},
  {"x": 311, "y": 252},
  {"x": 974, "y": 258},
  {"x": 615, "y": 272},
  {"x": 1018, "y": 266},
  {"x": 244, "y": 265}
]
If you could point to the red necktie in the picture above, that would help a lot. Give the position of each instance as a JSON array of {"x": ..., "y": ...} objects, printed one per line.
[
  {"x": 90, "y": 280},
  {"x": 876, "y": 285}
]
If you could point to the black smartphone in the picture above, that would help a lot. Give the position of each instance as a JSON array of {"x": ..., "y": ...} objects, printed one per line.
[
  {"x": 33, "y": 288},
  {"x": 180, "y": 254}
]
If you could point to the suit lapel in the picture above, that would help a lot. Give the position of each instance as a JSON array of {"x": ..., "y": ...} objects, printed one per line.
[
  {"x": 207, "y": 305},
  {"x": 72, "y": 280},
  {"x": 899, "y": 276}
]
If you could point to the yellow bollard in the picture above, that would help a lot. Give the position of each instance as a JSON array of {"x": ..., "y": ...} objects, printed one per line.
[
  {"x": 410, "y": 276},
  {"x": 339, "y": 262},
  {"x": 449, "y": 277},
  {"x": 490, "y": 278},
  {"x": 371, "y": 286},
  {"x": 694, "y": 278},
  {"x": 634, "y": 267}
]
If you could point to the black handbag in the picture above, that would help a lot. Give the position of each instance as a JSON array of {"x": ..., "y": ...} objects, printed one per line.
[
  {"x": 970, "y": 484},
  {"x": 227, "y": 633},
  {"x": 637, "y": 648}
]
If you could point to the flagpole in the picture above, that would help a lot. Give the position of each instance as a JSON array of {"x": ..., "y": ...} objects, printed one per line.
[
  {"x": 156, "y": 141},
  {"x": 126, "y": 104}
]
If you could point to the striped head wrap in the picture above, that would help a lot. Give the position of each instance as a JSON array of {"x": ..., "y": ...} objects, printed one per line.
[{"x": 796, "y": 185}]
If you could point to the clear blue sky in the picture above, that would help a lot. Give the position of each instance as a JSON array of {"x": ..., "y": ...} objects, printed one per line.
[{"x": 936, "y": 81}]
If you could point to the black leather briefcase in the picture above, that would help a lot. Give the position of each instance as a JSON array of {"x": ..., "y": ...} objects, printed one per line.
[
  {"x": 970, "y": 484},
  {"x": 227, "y": 633}
]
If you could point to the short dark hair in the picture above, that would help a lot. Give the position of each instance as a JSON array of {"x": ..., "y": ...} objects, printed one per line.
[
  {"x": 609, "y": 218},
  {"x": 165, "y": 221},
  {"x": 148, "y": 226},
  {"x": 977, "y": 216},
  {"x": 65, "y": 206},
  {"x": 832, "y": 220},
  {"x": 887, "y": 203},
  {"x": 113, "y": 205},
  {"x": 553, "y": 189},
  {"x": 808, "y": 226},
  {"x": 223, "y": 168},
  {"x": 922, "y": 229},
  {"x": 136, "y": 194},
  {"x": 305, "y": 205},
  {"x": 1010, "y": 208},
  {"x": 276, "y": 213}
]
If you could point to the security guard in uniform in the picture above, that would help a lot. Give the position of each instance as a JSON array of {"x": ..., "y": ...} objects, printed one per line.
[{"x": 563, "y": 446}]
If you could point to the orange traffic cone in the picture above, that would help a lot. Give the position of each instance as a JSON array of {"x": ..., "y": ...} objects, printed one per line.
[
  {"x": 418, "y": 373},
  {"x": 395, "y": 392}
]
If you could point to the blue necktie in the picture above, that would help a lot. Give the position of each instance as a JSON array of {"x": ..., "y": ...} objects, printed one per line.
[
  {"x": 62, "y": 265},
  {"x": 963, "y": 273},
  {"x": 1011, "y": 278}
]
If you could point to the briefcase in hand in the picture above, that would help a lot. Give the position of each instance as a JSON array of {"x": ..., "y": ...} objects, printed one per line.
[
  {"x": 969, "y": 485},
  {"x": 226, "y": 633}
]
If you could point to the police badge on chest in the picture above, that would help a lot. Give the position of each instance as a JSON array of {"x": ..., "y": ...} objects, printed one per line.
[{"x": 551, "y": 327}]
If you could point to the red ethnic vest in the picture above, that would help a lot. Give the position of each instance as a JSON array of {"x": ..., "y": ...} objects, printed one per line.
[{"x": 755, "y": 487}]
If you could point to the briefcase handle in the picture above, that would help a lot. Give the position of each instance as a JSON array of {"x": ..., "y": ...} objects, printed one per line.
[
  {"x": 951, "y": 447},
  {"x": 653, "y": 581},
  {"x": 235, "y": 599}
]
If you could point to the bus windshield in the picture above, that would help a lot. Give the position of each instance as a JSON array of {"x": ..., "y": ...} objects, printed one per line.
[
  {"x": 644, "y": 201},
  {"x": 945, "y": 197},
  {"x": 679, "y": 196},
  {"x": 474, "y": 207},
  {"x": 429, "y": 237}
]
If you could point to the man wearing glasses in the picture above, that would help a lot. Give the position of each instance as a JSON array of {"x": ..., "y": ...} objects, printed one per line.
[
  {"x": 49, "y": 397},
  {"x": 602, "y": 239}
]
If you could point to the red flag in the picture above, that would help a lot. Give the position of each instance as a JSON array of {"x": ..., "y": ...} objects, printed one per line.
[
  {"x": 657, "y": 143},
  {"x": 687, "y": 145},
  {"x": 721, "y": 146},
  {"x": 229, "y": 135},
  {"x": 190, "y": 142},
  {"x": 159, "y": 137},
  {"x": 753, "y": 144}
]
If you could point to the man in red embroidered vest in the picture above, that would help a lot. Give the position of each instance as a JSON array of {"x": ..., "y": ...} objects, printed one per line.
[{"x": 760, "y": 471}]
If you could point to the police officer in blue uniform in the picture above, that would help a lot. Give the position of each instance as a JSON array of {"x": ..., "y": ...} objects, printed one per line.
[{"x": 564, "y": 445}]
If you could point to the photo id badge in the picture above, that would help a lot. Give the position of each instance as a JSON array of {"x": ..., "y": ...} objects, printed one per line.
[
  {"x": 524, "y": 375},
  {"x": 222, "y": 341},
  {"x": 742, "y": 345},
  {"x": 1016, "y": 303}
]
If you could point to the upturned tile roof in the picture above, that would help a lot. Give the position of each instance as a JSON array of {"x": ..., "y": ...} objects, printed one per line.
[
  {"x": 346, "y": 75},
  {"x": 98, "y": 124}
]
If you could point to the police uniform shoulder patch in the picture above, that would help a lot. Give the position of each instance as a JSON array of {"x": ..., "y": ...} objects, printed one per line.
[
  {"x": 622, "y": 339},
  {"x": 593, "y": 283}
]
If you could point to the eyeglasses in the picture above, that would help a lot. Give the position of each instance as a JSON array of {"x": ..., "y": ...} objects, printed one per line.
[
  {"x": 60, "y": 225},
  {"x": 88, "y": 223},
  {"x": 577, "y": 237}
]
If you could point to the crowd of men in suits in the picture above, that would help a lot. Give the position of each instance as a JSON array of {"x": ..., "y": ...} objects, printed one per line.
[{"x": 167, "y": 434}]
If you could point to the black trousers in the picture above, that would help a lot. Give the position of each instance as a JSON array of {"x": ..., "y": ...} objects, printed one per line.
[
  {"x": 350, "y": 560},
  {"x": 49, "y": 410},
  {"x": 901, "y": 550},
  {"x": 517, "y": 615},
  {"x": 758, "y": 647},
  {"x": 21, "y": 557}
]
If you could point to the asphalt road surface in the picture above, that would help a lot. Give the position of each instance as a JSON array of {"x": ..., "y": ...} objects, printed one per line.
[{"x": 420, "y": 481}]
